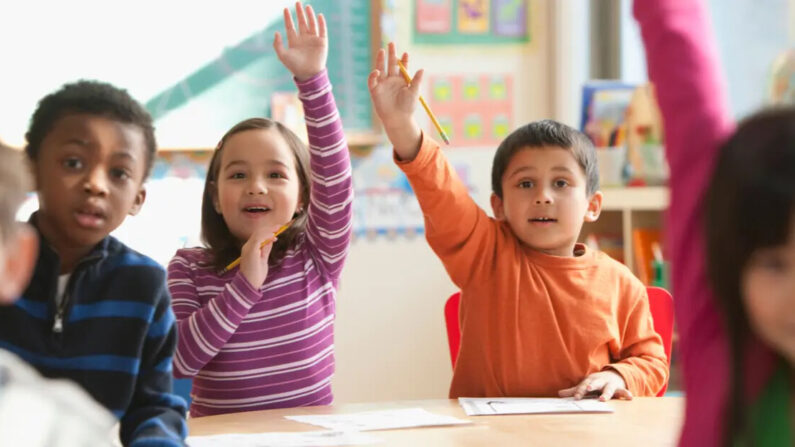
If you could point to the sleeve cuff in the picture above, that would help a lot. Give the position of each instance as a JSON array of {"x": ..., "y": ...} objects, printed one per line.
[
  {"x": 241, "y": 285},
  {"x": 313, "y": 83},
  {"x": 428, "y": 147}
]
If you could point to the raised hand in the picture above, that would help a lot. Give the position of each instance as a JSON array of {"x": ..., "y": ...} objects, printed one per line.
[
  {"x": 307, "y": 48},
  {"x": 395, "y": 102}
]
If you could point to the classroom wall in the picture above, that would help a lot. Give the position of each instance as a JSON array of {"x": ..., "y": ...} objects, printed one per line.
[{"x": 390, "y": 335}]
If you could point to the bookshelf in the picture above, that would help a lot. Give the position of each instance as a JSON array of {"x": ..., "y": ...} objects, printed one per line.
[{"x": 626, "y": 209}]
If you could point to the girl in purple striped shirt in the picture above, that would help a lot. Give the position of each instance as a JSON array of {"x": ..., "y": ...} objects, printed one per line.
[{"x": 261, "y": 335}]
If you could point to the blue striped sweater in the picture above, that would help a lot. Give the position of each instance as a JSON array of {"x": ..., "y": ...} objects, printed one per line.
[{"x": 117, "y": 337}]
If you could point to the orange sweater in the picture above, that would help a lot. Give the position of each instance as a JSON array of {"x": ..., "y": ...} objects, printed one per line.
[{"x": 531, "y": 323}]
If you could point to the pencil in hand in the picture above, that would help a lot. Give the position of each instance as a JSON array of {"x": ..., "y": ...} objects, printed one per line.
[
  {"x": 281, "y": 230},
  {"x": 438, "y": 126}
]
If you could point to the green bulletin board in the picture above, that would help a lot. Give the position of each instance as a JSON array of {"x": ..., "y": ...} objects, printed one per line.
[{"x": 238, "y": 84}]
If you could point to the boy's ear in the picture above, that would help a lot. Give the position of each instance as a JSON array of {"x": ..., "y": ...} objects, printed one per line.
[
  {"x": 139, "y": 201},
  {"x": 497, "y": 207},
  {"x": 594, "y": 207},
  {"x": 17, "y": 263}
]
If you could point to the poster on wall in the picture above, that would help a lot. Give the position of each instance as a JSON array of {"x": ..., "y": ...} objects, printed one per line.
[
  {"x": 471, "y": 21},
  {"x": 384, "y": 203},
  {"x": 474, "y": 110}
]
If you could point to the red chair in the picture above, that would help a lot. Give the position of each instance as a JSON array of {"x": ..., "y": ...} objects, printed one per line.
[
  {"x": 660, "y": 302},
  {"x": 451, "y": 320}
]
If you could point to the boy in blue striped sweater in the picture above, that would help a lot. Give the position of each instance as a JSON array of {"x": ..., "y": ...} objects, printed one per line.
[{"x": 97, "y": 312}]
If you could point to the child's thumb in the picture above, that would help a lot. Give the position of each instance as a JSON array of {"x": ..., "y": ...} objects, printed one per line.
[
  {"x": 277, "y": 43},
  {"x": 372, "y": 80}
]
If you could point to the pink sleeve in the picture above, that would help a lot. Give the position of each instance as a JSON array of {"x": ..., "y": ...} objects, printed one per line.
[{"x": 683, "y": 65}]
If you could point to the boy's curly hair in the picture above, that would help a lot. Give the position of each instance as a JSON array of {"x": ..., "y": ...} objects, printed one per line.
[{"x": 92, "y": 97}]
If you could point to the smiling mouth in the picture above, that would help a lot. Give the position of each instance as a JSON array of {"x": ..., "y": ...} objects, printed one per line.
[
  {"x": 543, "y": 220},
  {"x": 256, "y": 209}
]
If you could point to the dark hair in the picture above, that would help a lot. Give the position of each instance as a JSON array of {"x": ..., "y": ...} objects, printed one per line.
[
  {"x": 95, "y": 98},
  {"x": 14, "y": 184},
  {"x": 541, "y": 134},
  {"x": 224, "y": 247},
  {"x": 749, "y": 205}
]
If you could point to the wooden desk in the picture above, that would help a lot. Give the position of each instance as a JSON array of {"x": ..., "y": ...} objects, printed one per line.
[{"x": 645, "y": 421}]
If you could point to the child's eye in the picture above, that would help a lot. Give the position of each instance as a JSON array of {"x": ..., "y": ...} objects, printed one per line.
[
  {"x": 772, "y": 262},
  {"x": 275, "y": 175},
  {"x": 237, "y": 175},
  {"x": 121, "y": 174},
  {"x": 72, "y": 163},
  {"x": 526, "y": 184},
  {"x": 561, "y": 183}
]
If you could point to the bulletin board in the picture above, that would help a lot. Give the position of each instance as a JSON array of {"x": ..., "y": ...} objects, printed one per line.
[
  {"x": 471, "y": 21},
  {"x": 241, "y": 82}
]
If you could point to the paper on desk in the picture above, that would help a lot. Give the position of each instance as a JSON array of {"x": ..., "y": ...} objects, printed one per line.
[
  {"x": 379, "y": 420},
  {"x": 530, "y": 405},
  {"x": 277, "y": 439}
]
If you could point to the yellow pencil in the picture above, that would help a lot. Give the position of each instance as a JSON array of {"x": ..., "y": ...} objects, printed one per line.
[
  {"x": 281, "y": 230},
  {"x": 424, "y": 104}
]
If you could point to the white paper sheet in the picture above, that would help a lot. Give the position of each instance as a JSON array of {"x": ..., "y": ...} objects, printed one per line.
[
  {"x": 278, "y": 439},
  {"x": 379, "y": 420},
  {"x": 491, "y": 406}
]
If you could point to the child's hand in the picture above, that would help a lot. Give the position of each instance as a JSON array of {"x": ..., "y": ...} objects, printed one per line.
[
  {"x": 253, "y": 259},
  {"x": 609, "y": 383},
  {"x": 395, "y": 102},
  {"x": 307, "y": 49}
]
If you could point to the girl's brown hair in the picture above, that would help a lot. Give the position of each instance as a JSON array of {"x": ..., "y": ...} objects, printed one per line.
[
  {"x": 749, "y": 206},
  {"x": 224, "y": 247}
]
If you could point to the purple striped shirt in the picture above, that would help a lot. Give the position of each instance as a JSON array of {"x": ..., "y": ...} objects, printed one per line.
[{"x": 251, "y": 349}]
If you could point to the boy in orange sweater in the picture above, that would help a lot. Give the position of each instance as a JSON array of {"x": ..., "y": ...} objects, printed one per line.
[{"x": 540, "y": 314}]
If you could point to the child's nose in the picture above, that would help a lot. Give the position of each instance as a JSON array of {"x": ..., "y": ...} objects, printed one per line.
[
  {"x": 96, "y": 182},
  {"x": 543, "y": 196},
  {"x": 256, "y": 187}
]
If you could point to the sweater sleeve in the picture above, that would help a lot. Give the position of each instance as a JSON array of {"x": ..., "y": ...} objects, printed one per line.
[
  {"x": 204, "y": 327},
  {"x": 641, "y": 359},
  {"x": 330, "y": 208},
  {"x": 457, "y": 229},
  {"x": 156, "y": 416},
  {"x": 682, "y": 64}
]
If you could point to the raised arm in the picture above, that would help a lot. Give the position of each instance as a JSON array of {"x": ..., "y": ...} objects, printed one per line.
[
  {"x": 460, "y": 233},
  {"x": 330, "y": 208},
  {"x": 683, "y": 65}
]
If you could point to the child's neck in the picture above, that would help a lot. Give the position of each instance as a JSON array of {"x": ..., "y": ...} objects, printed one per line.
[{"x": 68, "y": 254}]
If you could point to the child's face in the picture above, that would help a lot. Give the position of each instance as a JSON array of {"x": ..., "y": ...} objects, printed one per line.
[
  {"x": 89, "y": 174},
  {"x": 258, "y": 183},
  {"x": 544, "y": 199},
  {"x": 768, "y": 284}
]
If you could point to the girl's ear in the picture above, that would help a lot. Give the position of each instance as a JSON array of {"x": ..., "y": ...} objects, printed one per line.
[{"x": 214, "y": 192}]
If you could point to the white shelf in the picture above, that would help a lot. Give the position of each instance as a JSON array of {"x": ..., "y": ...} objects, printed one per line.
[{"x": 640, "y": 198}]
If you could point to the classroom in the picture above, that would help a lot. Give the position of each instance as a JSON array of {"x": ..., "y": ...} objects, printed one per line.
[{"x": 380, "y": 328}]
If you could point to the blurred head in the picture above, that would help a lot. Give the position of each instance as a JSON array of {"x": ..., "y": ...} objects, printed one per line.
[
  {"x": 18, "y": 241},
  {"x": 545, "y": 185},
  {"x": 750, "y": 232},
  {"x": 92, "y": 146},
  {"x": 258, "y": 176}
]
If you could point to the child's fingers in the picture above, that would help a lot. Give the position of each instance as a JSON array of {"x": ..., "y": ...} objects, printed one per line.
[
  {"x": 416, "y": 81},
  {"x": 321, "y": 25},
  {"x": 372, "y": 80},
  {"x": 623, "y": 393},
  {"x": 405, "y": 60},
  {"x": 278, "y": 45},
  {"x": 582, "y": 388},
  {"x": 311, "y": 23},
  {"x": 300, "y": 18},
  {"x": 379, "y": 63},
  {"x": 289, "y": 28},
  {"x": 391, "y": 67},
  {"x": 567, "y": 392},
  {"x": 607, "y": 392}
]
